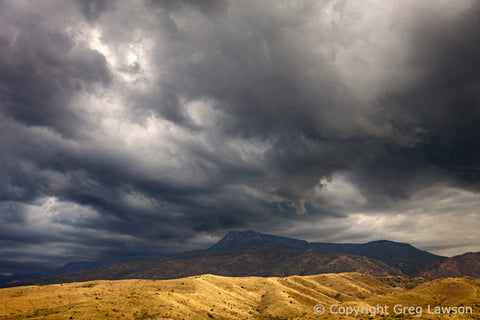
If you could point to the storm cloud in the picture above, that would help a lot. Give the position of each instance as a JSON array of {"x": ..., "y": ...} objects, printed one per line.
[{"x": 139, "y": 127}]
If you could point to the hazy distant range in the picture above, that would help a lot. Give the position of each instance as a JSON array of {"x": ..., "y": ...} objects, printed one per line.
[{"x": 249, "y": 253}]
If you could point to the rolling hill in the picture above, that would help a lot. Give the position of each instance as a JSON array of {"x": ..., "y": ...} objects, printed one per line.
[{"x": 218, "y": 297}]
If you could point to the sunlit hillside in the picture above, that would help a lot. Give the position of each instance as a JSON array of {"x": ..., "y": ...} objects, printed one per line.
[{"x": 216, "y": 297}]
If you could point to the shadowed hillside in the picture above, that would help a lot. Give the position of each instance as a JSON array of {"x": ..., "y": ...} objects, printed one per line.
[
  {"x": 402, "y": 256},
  {"x": 467, "y": 264}
]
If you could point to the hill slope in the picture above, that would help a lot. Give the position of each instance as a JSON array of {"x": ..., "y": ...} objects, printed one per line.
[
  {"x": 216, "y": 297},
  {"x": 402, "y": 256},
  {"x": 467, "y": 264}
]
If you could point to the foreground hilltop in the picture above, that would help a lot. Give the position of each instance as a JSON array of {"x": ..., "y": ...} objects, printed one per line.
[{"x": 217, "y": 297}]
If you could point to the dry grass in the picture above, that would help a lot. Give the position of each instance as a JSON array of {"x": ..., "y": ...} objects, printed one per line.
[{"x": 216, "y": 297}]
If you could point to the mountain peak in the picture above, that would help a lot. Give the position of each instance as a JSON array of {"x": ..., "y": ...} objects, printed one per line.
[
  {"x": 236, "y": 240},
  {"x": 242, "y": 233}
]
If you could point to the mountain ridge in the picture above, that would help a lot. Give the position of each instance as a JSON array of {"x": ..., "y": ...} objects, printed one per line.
[
  {"x": 269, "y": 259},
  {"x": 250, "y": 253},
  {"x": 403, "y": 256}
]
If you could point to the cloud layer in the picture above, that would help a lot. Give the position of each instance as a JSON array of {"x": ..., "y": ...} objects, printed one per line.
[{"x": 131, "y": 128}]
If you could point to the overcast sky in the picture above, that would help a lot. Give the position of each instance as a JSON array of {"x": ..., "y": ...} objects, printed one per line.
[{"x": 131, "y": 127}]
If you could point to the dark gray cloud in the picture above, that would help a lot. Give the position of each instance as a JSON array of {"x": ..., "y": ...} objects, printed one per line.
[
  {"x": 132, "y": 128},
  {"x": 92, "y": 9},
  {"x": 443, "y": 101},
  {"x": 43, "y": 69}
]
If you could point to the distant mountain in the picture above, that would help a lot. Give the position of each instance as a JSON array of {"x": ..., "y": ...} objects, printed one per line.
[
  {"x": 4, "y": 277},
  {"x": 85, "y": 265},
  {"x": 81, "y": 265},
  {"x": 401, "y": 256},
  {"x": 22, "y": 276},
  {"x": 467, "y": 264},
  {"x": 268, "y": 259},
  {"x": 69, "y": 268},
  {"x": 249, "y": 253}
]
